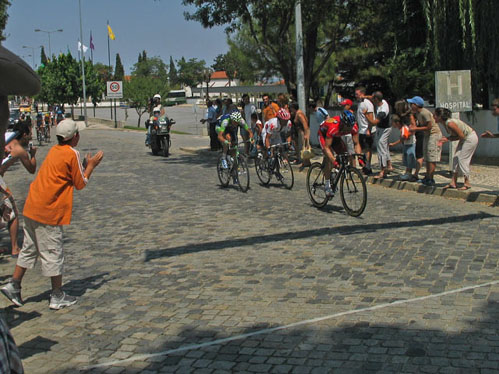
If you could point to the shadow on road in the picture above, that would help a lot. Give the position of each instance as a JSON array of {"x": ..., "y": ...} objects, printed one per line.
[
  {"x": 358, "y": 346},
  {"x": 152, "y": 254}
]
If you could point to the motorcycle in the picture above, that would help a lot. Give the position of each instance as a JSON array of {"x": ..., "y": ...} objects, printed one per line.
[{"x": 158, "y": 136}]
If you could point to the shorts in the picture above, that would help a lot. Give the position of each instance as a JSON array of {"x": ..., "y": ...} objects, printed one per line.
[
  {"x": 431, "y": 151},
  {"x": 419, "y": 144},
  {"x": 349, "y": 143},
  {"x": 44, "y": 241},
  {"x": 338, "y": 145},
  {"x": 366, "y": 141}
]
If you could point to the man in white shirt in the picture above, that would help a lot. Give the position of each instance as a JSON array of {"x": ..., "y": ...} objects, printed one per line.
[{"x": 365, "y": 115}]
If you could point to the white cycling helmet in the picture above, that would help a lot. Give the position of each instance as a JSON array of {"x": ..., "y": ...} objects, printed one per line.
[{"x": 236, "y": 116}]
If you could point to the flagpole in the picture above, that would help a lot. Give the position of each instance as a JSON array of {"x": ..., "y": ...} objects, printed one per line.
[
  {"x": 91, "y": 48},
  {"x": 83, "y": 69},
  {"x": 109, "y": 60}
]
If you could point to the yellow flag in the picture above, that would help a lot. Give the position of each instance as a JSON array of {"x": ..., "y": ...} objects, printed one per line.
[{"x": 110, "y": 32}]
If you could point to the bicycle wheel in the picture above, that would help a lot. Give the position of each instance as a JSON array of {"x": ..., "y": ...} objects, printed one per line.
[
  {"x": 223, "y": 173},
  {"x": 243, "y": 178},
  {"x": 316, "y": 184},
  {"x": 262, "y": 169},
  {"x": 285, "y": 172},
  {"x": 353, "y": 192},
  {"x": 39, "y": 137}
]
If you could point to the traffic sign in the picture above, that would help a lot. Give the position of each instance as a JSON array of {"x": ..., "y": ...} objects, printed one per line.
[
  {"x": 114, "y": 89},
  {"x": 453, "y": 90}
]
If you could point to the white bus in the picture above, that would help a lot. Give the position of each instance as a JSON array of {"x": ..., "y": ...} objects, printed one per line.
[{"x": 175, "y": 97}]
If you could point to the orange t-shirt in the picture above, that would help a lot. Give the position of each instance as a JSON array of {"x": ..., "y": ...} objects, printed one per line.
[
  {"x": 270, "y": 111},
  {"x": 50, "y": 197}
]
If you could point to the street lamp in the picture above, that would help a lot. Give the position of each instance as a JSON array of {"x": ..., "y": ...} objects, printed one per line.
[
  {"x": 48, "y": 33},
  {"x": 32, "y": 53}
]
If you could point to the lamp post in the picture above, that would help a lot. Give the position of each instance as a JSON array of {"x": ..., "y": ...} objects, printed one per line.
[
  {"x": 48, "y": 33},
  {"x": 32, "y": 53}
]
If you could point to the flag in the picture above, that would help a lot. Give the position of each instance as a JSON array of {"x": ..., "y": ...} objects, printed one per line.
[
  {"x": 110, "y": 33},
  {"x": 92, "y": 47},
  {"x": 82, "y": 46}
]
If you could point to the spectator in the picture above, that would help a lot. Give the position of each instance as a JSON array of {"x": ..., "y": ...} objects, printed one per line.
[
  {"x": 248, "y": 108},
  {"x": 408, "y": 140},
  {"x": 300, "y": 132},
  {"x": 407, "y": 117},
  {"x": 283, "y": 101},
  {"x": 351, "y": 141},
  {"x": 495, "y": 112},
  {"x": 211, "y": 118},
  {"x": 468, "y": 141},
  {"x": 256, "y": 128},
  {"x": 270, "y": 108},
  {"x": 48, "y": 207},
  {"x": 229, "y": 106},
  {"x": 365, "y": 115},
  {"x": 321, "y": 114},
  {"x": 432, "y": 134},
  {"x": 218, "y": 107},
  {"x": 17, "y": 152},
  {"x": 382, "y": 123}
]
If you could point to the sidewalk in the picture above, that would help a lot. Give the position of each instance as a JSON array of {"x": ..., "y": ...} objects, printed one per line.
[{"x": 484, "y": 178}]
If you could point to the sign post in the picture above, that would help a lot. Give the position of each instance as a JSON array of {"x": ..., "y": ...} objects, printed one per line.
[
  {"x": 453, "y": 91},
  {"x": 114, "y": 91}
]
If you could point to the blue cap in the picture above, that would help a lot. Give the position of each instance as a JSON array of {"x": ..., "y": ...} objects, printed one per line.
[{"x": 418, "y": 100}]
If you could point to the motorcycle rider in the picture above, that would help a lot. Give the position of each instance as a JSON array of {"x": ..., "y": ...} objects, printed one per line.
[{"x": 156, "y": 110}]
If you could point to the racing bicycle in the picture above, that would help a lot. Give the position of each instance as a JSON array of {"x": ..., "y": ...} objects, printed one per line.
[
  {"x": 348, "y": 179},
  {"x": 275, "y": 165},
  {"x": 237, "y": 169}
]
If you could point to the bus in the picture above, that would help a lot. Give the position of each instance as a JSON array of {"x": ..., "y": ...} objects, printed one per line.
[{"x": 175, "y": 97}]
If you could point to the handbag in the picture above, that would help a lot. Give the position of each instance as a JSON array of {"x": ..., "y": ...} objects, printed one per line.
[{"x": 307, "y": 153}]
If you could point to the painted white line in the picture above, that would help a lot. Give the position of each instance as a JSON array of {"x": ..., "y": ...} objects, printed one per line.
[{"x": 285, "y": 327}]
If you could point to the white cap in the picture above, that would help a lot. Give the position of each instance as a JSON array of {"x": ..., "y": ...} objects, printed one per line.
[
  {"x": 67, "y": 128},
  {"x": 157, "y": 96}
]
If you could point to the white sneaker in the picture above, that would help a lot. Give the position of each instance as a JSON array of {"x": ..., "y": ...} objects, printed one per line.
[
  {"x": 329, "y": 191},
  {"x": 62, "y": 301}
]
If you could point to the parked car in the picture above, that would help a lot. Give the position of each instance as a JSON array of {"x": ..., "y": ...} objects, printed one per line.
[{"x": 13, "y": 117}]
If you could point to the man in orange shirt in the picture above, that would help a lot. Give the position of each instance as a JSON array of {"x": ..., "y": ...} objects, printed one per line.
[
  {"x": 270, "y": 108},
  {"x": 48, "y": 207}
]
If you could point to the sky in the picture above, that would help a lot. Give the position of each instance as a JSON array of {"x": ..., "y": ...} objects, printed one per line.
[{"x": 156, "y": 26}]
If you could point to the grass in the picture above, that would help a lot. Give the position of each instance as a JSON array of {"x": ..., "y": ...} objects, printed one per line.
[{"x": 144, "y": 130}]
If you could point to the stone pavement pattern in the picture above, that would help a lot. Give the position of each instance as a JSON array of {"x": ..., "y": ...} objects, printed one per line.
[{"x": 163, "y": 258}]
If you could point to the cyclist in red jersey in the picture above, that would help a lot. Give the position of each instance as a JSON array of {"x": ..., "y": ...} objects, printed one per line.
[{"x": 329, "y": 134}]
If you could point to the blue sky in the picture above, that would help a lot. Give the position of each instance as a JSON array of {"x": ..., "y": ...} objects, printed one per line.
[{"x": 156, "y": 26}]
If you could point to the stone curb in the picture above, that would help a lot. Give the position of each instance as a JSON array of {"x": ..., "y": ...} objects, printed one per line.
[{"x": 485, "y": 197}]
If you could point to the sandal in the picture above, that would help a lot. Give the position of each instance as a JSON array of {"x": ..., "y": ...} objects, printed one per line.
[
  {"x": 379, "y": 176},
  {"x": 449, "y": 187},
  {"x": 464, "y": 188}
]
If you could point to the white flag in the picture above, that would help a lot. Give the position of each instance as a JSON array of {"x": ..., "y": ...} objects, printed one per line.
[{"x": 85, "y": 48}]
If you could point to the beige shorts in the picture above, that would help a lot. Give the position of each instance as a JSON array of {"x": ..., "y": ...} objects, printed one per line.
[
  {"x": 432, "y": 152},
  {"x": 44, "y": 241}
]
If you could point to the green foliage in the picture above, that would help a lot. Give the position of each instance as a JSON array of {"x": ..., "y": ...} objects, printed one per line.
[
  {"x": 95, "y": 86},
  {"x": 150, "y": 67},
  {"x": 61, "y": 81},
  {"x": 104, "y": 71},
  {"x": 119, "y": 71},
  {"x": 227, "y": 63},
  {"x": 43, "y": 56},
  {"x": 4, "y": 4},
  {"x": 190, "y": 73}
]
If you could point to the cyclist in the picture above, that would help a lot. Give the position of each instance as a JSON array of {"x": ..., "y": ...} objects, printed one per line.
[
  {"x": 277, "y": 129},
  {"x": 227, "y": 131},
  {"x": 39, "y": 122},
  {"x": 329, "y": 134}
]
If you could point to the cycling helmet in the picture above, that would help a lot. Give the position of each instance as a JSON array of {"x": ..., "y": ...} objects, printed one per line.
[
  {"x": 347, "y": 120},
  {"x": 236, "y": 116},
  {"x": 283, "y": 114}
]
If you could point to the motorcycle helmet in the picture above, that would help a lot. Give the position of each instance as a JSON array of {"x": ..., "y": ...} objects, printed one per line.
[
  {"x": 156, "y": 109},
  {"x": 283, "y": 114},
  {"x": 157, "y": 96},
  {"x": 347, "y": 120},
  {"x": 236, "y": 116}
]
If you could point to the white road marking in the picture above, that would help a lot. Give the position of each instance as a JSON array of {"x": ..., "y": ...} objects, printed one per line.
[{"x": 285, "y": 327}]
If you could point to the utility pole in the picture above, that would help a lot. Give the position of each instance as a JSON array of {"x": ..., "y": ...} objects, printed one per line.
[
  {"x": 83, "y": 69},
  {"x": 300, "y": 77}
]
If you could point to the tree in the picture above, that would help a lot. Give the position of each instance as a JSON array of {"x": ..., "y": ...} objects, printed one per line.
[
  {"x": 104, "y": 71},
  {"x": 190, "y": 73},
  {"x": 172, "y": 73},
  {"x": 226, "y": 63},
  {"x": 119, "y": 71},
  {"x": 95, "y": 86},
  {"x": 43, "y": 56},
  {"x": 4, "y": 4},
  {"x": 151, "y": 67},
  {"x": 139, "y": 90}
]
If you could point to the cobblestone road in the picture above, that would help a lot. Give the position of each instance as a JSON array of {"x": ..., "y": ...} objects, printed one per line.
[{"x": 178, "y": 275}]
